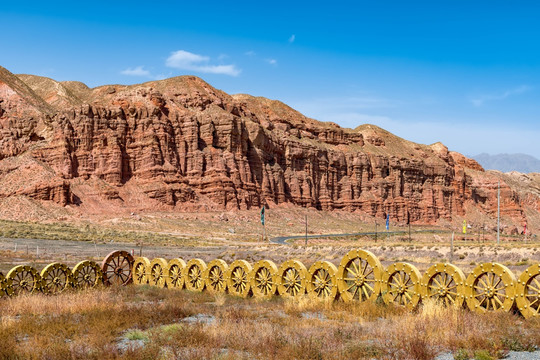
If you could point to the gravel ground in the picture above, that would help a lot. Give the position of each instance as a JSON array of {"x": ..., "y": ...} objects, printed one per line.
[{"x": 512, "y": 355}]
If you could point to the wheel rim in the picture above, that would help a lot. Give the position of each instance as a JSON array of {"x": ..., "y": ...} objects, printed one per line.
[
  {"x": 490, "y": 287},
  {"x": 24, "y": 279},
  {"x": 444, "y": 283},
  {"x": 56, "y": 278},
  {"x": 140, "y": 270},
  {"x": 117, "y": 267},
  {"x": 528, "y": 292},
  {"x": 194, "y": 275},
  {"x": 6, "y": 288},
  {"x": 291, "y": 277},
  {"x": 262, "y": 279},
  {"x": 87, "y": 274},
  {"x": 238, "y": 278},
  {"x": 174, "y": 278},
  {"x": 216, "y": 276},
  {"x": 321, "y": 282},
  {"x": 358, "y": 276},
  {"x": 157, "y": 268},
  {"x": 401, "y": 285}
]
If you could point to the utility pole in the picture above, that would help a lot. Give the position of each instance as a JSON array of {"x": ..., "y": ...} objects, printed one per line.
[
  {"x": 498, "y": 212},
  {"x": 452, "y": 248},
  {"x": 306, "y": 230},
  {"x": 409, "y": 222}
]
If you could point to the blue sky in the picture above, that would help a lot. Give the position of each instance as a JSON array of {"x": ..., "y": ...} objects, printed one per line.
[{"x": 460, "y": 72}]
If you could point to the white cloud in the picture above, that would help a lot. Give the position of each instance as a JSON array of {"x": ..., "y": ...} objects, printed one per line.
[
  {"x": 137, "y": 71},
  {"x": 184, "y": 60},
  {"x": 271, "y": 61},
  {"x": 292, "y": 38},
  {"x": 480, "y": 100},
  {"x": 250, "y": 53}
]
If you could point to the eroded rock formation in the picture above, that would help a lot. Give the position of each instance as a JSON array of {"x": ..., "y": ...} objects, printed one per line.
[{"x": 181, "y": 144}]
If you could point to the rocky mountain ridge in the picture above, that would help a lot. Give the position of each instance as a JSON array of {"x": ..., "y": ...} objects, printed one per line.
[
  {"x": 180, "y": 144},
  {"x": 509, "y": 162}
]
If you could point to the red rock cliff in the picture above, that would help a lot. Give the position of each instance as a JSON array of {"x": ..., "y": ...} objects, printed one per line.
[{"x": 187, "y": 145}]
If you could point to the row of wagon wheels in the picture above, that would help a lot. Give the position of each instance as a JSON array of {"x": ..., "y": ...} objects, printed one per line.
[
  {"x": 56, "y": 277},
  {"x": 359, "y": 277}
]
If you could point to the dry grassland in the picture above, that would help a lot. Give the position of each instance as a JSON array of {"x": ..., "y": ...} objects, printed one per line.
[{"x": 140, "y": 322}]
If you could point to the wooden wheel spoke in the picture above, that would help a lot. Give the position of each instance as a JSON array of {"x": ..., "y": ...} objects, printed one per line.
[
  {"x": 365, "y": 268},
  {"x": 483, "y": 282},
  {"x": 369, "y": 272},
  {"x": 357, "y": 268}
]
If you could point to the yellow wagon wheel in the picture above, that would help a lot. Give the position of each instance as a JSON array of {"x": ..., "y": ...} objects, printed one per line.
[
  {"x": 444, "y": 283},
  {"x": 87, "y": 274},
  {"x": 263, "y": 279},
  {"x": 174, "y": 278},
  {"x": 116, "y": 268},
  {"x": 528, "y": 292},
  {"x": 292, "y": 278},
  {"x": 401, "y": 285},
  {"x": 24, "y": 279},
  {"x": 158, "y": 272},
  {"x": 5, "y": 286},
  {"x": 238, "y": 278},
  {"x": 358, "y": 276},
  {"x": 193, "y": 274},
  {"x": 140, "y": 271},
  {"x": 490, "y": 287},
  {"x": 215, "y": 276},
  {"x": 321, "y": 281},
  {"x": 56, "y": 278}
]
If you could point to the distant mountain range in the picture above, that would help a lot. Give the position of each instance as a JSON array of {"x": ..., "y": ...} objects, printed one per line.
[{"x": 509, "y": 162}]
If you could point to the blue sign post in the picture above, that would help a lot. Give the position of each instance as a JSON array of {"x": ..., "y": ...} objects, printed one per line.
[
  {"x": 387, "y": 222},
  {"x": 263, "y": 223}
]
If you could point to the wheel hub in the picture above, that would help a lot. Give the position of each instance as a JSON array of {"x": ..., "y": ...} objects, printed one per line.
[
  {"x": 118, "y": 270},
  {"x": 442, "y": 292},
  {"x": 321, "y": 285},
  {"x": 359, "y": 280}
]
